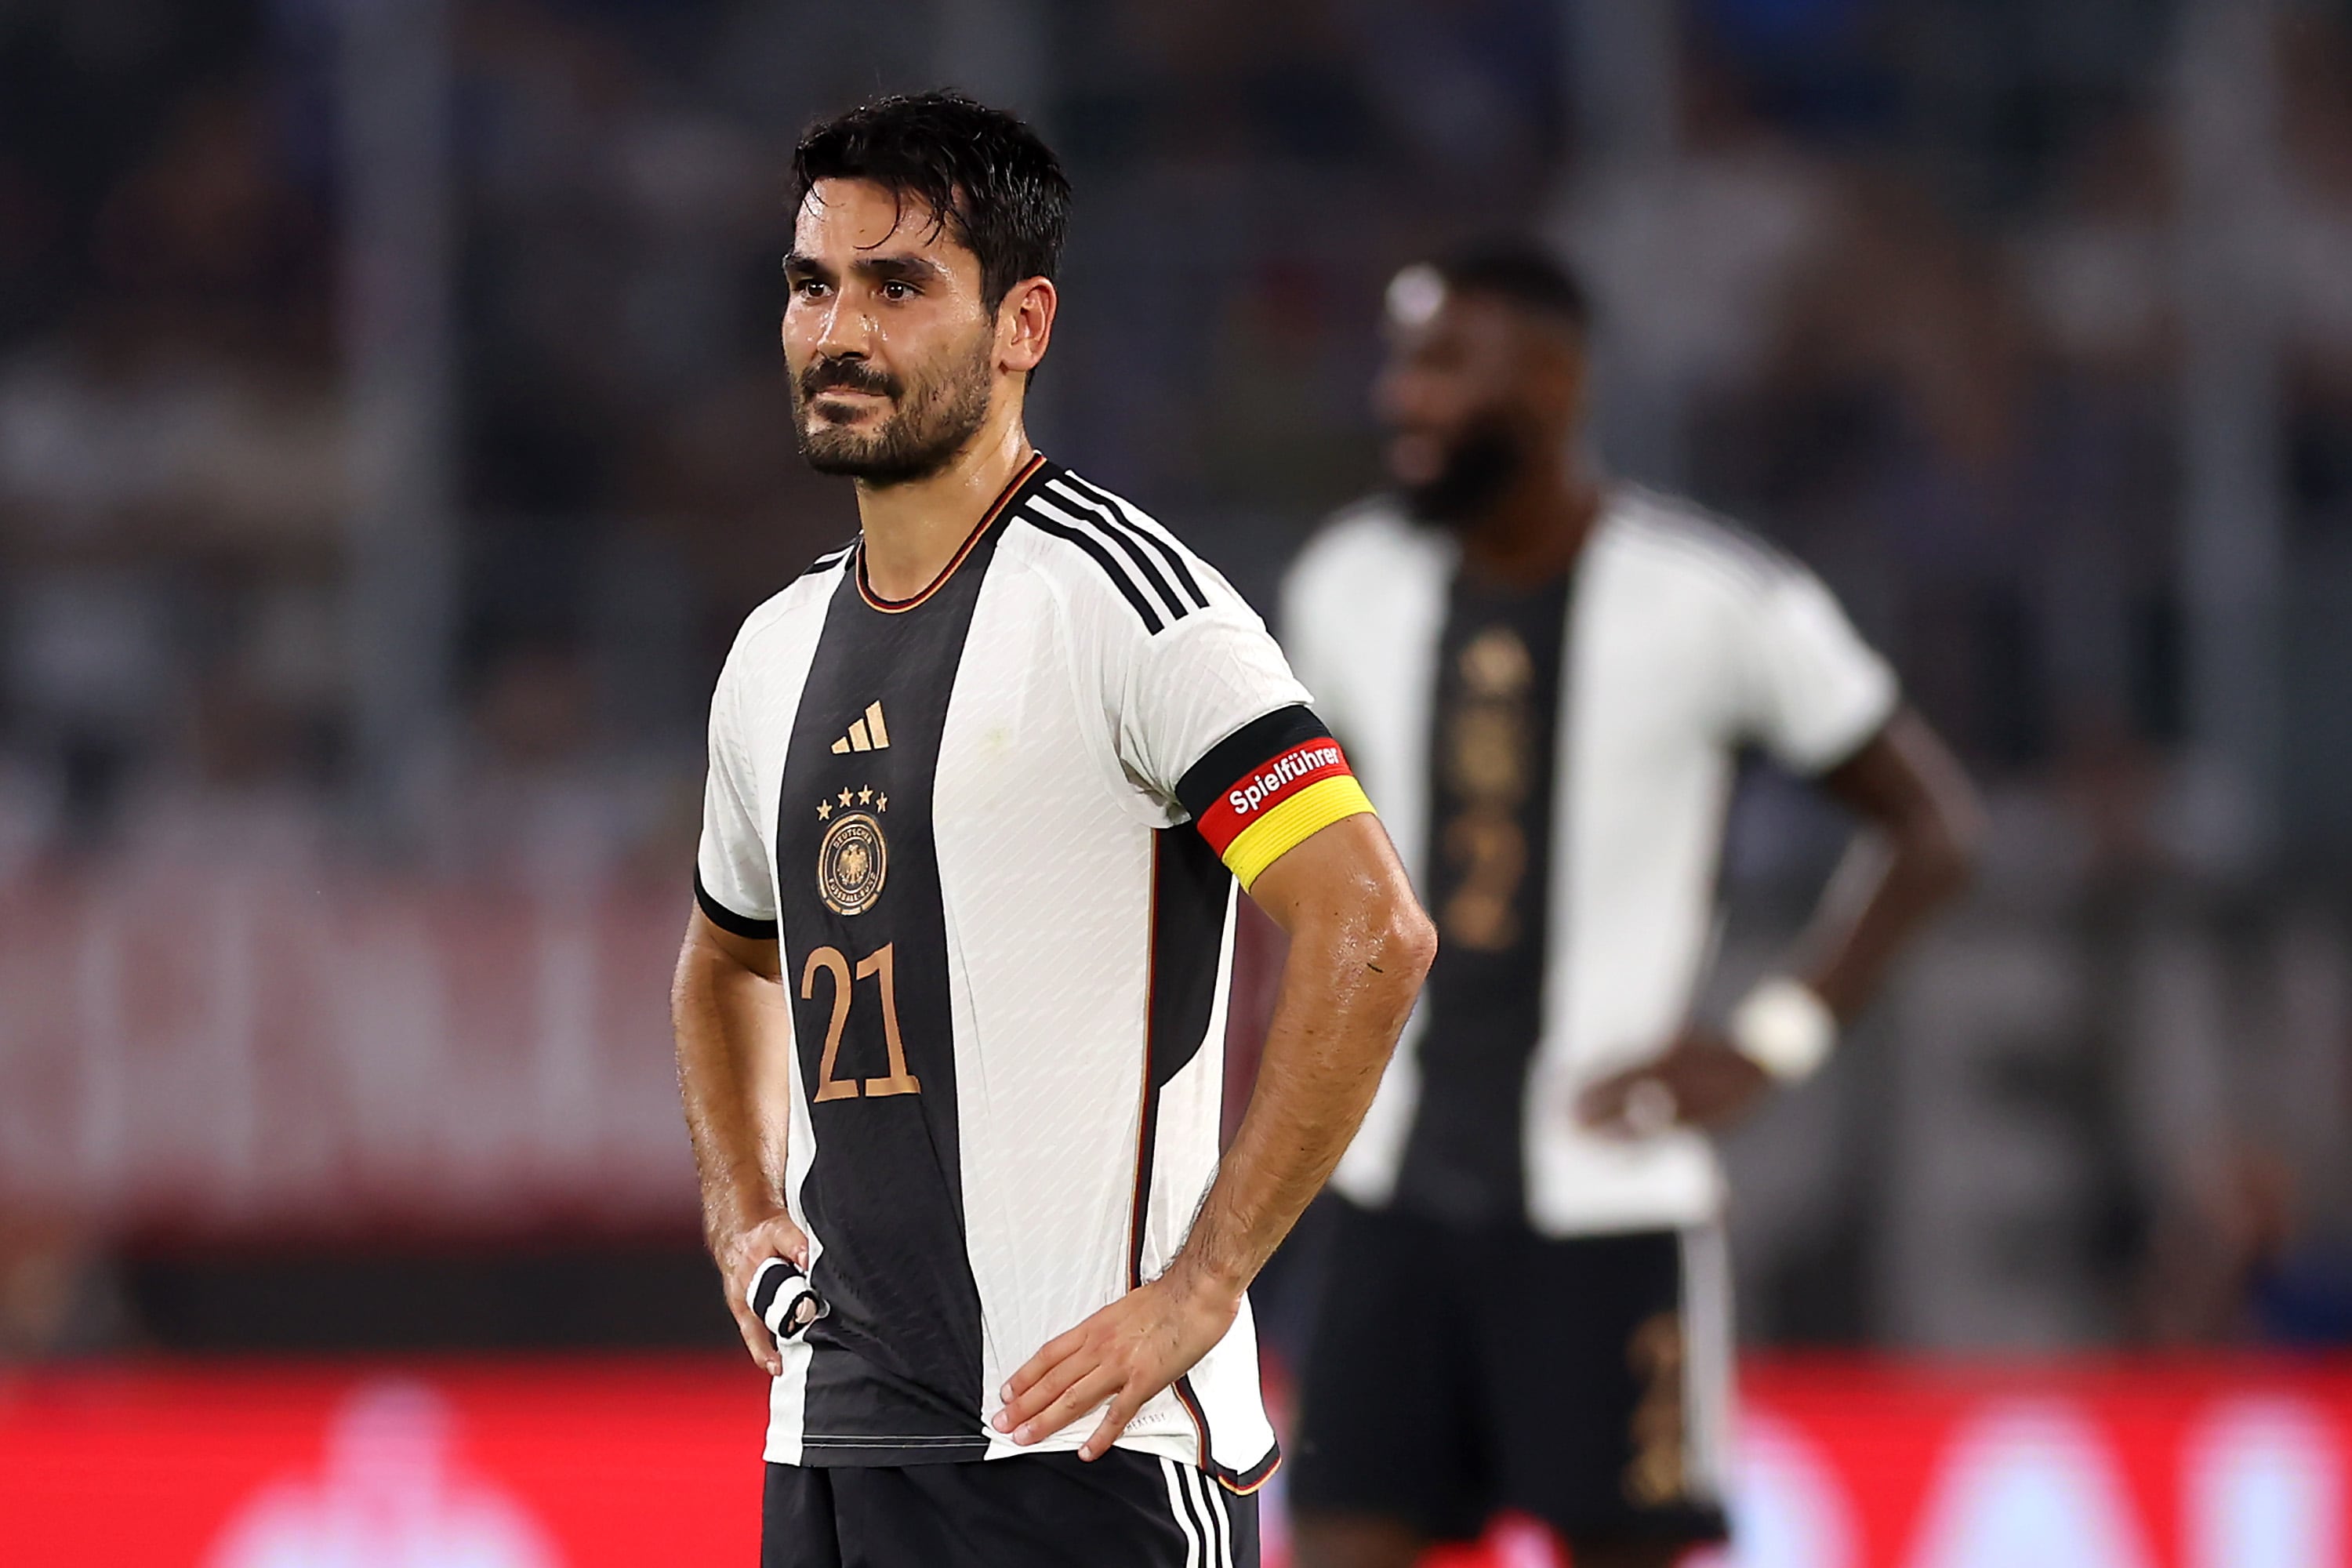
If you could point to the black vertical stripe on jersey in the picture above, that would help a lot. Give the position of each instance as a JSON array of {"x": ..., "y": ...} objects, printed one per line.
[
  {"x": 895, "y": 1372},
  {"x": 1482, "y": 1009},
  {"x": 1174, "y": 556},
  {"x": 1192, "y": 899}
]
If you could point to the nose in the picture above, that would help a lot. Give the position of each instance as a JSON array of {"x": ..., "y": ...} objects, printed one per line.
[
  {"x": 829, "y": 329},
  {"x": 843, "y": 332}
]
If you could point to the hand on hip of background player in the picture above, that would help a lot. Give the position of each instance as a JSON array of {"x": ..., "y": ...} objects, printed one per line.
[{"x": 1699, "y": 1081}]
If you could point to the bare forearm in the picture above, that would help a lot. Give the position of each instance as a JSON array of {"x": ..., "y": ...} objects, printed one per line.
[
  {"x": 723, "y": 1016},
  {"x": 734, "y": 1046},
  {"x": 1877, "y": 901},
  {"x": 1917, "y": 854},
  {"x": 1347, "y": 989}
]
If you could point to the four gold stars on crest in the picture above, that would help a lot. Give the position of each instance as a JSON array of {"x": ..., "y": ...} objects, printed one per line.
[{"x": 865, "y": 796}]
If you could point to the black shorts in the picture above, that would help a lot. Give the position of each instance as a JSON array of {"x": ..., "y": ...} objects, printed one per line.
[
  {"x": 1454, "y": 1373},
  {"x": 1035, "y": 1510}
]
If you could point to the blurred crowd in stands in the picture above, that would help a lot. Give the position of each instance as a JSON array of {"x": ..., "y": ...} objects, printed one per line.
[{"x": 1905, "y": 296}]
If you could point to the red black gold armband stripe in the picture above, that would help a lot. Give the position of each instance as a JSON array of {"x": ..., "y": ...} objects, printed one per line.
[{"x": 1268, "y": 786}]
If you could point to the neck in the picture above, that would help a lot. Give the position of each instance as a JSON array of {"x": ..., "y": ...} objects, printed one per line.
[
  {"x": 913, "y": 530},
  {"x": 1533, "y": 533}
]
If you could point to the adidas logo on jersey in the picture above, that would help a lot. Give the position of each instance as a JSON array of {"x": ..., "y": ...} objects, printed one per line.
[{"x": 869, "y": 734}]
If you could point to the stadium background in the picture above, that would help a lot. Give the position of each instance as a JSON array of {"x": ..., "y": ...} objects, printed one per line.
[{"x": 390, "y": 436}]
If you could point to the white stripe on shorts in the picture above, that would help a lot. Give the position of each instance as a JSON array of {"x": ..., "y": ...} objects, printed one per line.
[
  {"x": 1178, "y": 1501},
  {"x": 1213, "y": 1510},
  {"x": 1225, "y": 1514},
  {"x": 1707, "y": 1358}
]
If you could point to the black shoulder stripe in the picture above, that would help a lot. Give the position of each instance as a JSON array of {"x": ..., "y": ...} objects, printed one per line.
[
  {"x": 1102, "y": 557},
  {"x": 726, "y": 920},
  {"x": 1116, "y": 524},
  {"x": 830, "y": 559},
  {"x": 1255, "y": 742},
  {"x": 1177, "y": 608},
  {"x": 1175, "y": 557},
  {"x": 1120, "y": 510}
]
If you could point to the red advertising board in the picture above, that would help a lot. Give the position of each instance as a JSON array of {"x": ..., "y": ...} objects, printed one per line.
[
  {"x": 590, "y": 1463},
  {"x": 560, "y": 1465}
]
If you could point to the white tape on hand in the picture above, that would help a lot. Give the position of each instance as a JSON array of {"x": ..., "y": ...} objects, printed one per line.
[
  {"x": 783, "y": 1297},
  {"x": 1785, "y": 1028}
]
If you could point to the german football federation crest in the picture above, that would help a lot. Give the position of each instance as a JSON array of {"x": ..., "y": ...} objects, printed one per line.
[{"x": 852, "y": 861}]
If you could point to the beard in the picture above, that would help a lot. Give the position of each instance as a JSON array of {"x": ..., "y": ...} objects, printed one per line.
[
  {"x": 1481, "y": 465},
  {"x": 928, "y": 423}
]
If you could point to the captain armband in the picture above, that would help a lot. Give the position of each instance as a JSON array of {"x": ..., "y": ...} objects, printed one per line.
[{"x": 1267, "y": 787}]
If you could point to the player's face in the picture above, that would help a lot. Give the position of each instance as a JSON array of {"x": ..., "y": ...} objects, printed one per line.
[
  {"x": 1471, "y": 393},
  {"x": 888, "y": 346}
]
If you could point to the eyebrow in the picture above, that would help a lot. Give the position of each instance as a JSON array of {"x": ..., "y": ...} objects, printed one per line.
[{"x": 902, "y": 267}]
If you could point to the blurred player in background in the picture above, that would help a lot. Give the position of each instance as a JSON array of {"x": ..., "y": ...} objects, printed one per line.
[
  {"x": 1548, "y": 678},
  {"x": 982, "y": 786}
]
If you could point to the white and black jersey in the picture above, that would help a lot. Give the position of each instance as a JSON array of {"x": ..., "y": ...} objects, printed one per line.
[
  {"x": 1554, "y": 769},
  {"x": 997, "y": 829}
]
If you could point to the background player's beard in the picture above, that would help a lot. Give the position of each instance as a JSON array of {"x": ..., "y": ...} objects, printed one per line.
[
  {"x": 927, "y": 427},
  {"x": 1481, "y": 466}
]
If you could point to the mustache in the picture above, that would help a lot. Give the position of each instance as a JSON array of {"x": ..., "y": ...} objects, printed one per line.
[{"x": 848, "y": 375}]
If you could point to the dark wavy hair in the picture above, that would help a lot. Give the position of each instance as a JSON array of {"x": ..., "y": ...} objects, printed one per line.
[{"x": 976, "y": 169}]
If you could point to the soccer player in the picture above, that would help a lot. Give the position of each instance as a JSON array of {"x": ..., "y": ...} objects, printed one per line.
[
  {"x": 984, "y": 784},
  {"x": 1548, "y": 678}
]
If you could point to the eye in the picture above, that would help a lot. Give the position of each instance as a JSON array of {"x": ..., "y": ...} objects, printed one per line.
[
  {"x": 898, "y": 288},
  {"x": 807, "y": 288}
]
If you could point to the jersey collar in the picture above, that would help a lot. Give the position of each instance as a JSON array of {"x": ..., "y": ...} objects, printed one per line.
[{"x": 1021, "y": 480}]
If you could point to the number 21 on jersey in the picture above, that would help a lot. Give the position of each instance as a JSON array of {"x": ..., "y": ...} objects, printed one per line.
[{"x": 879, "y": 966}]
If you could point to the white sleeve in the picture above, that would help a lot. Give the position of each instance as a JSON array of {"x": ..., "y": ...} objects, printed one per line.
[
  {"x": 1195, "y": 684},
  {"x": 731, "y": 879},
  {"x": 1203, "y": 717},
  {"x": 1814, "y": 691},
  {"x": 1217, "y": 725}
]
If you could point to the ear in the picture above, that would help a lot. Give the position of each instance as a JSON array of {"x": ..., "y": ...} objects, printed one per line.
[{"x": 1024, "y": 324}]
